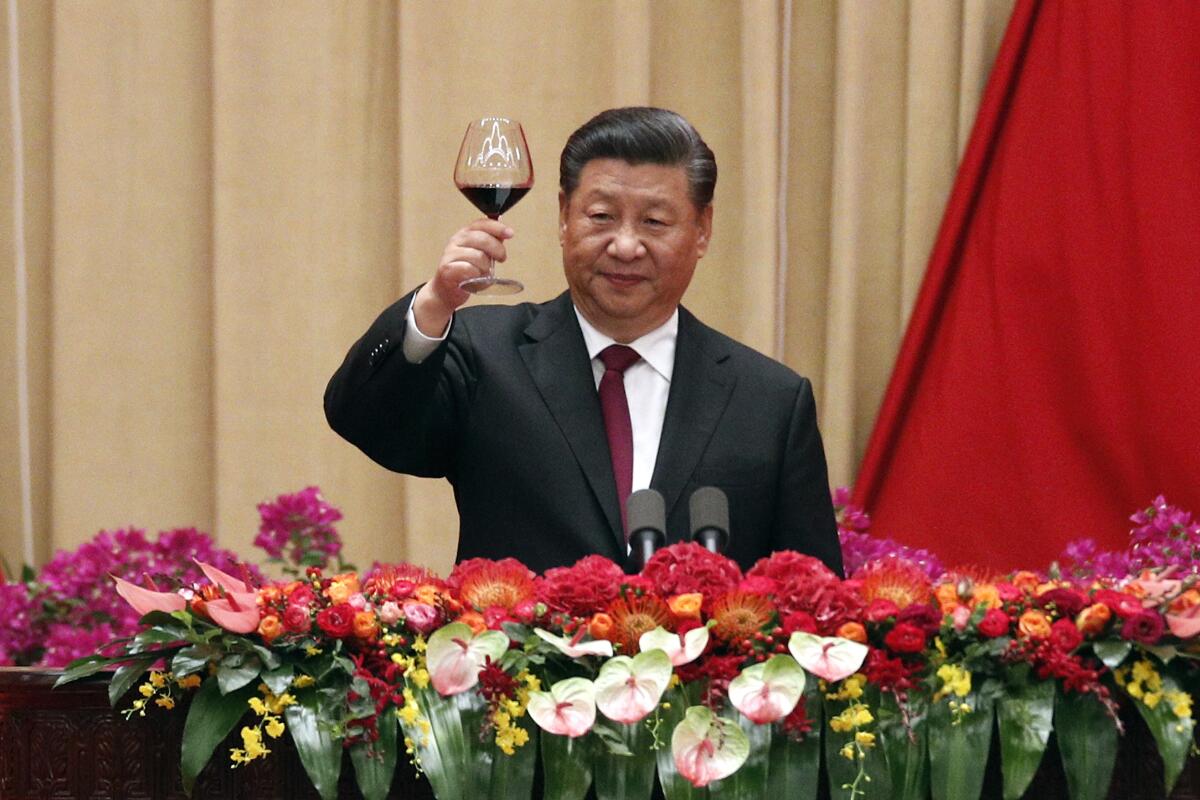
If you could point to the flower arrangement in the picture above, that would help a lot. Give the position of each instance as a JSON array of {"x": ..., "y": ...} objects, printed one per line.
[{"x": 691, "y": 673}]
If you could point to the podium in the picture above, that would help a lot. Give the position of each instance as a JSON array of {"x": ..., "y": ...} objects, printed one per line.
[{"x": 68, "y": 744}]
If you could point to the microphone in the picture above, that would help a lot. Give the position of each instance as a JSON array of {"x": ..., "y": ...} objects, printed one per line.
[
  {"x": 647, "y": 516},
  {"x": 710, "y": 518}
]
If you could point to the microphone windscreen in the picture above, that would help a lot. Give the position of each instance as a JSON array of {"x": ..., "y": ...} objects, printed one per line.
[
  {"x": 644, "y": 509},
  {"x": 709, "y": 509}
]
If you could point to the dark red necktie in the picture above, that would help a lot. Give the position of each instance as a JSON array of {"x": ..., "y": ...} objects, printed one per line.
[{"x": 615, "y": 406}]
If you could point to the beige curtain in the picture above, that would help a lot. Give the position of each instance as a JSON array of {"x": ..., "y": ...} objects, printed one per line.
[{"x": 205, "y": 203}]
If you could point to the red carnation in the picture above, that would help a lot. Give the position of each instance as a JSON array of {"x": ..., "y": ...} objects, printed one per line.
[
  {"x": 759, "y": 584},
  {"x": 905, "y": 638},
  {"x": 798, "y": 621},
  {"x": 923, "y": 615},
  {"x": 590, "y": 585},
  {"x": 788, "y": 565},
  {"x": 994, "y": 623},
  {"x": 835, "y": 605},
  {"x": 889, "y": 674},
  {"x": 687, "y": 567},
  {"x": 1065, "y": 636},
  {"x": 1145, "y": 627},
  {"x": 297, "y": 619},
  {"x": 337, "y": 621}
]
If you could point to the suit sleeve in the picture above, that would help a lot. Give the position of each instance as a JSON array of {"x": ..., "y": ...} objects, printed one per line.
[
  {"x": 805, "y": 519},
  {"x": 404, "y": 416}
]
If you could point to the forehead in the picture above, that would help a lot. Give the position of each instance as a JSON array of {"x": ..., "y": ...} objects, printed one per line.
[{"x": 619, "y": 181}]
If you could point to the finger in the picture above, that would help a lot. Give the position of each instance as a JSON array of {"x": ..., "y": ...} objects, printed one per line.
[
  {"x": 492, "y": 227},
  {"x": 478, "y": 241}
]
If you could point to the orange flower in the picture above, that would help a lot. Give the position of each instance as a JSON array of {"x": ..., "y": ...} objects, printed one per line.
[
  {"x": 499, "y": 584},
  {"x": 342, "y": 589},
  {"x": 947, "y": 597},
  {"x": 269, "y": 595},
  {"x": 475, "y": 620},
  {"x": 1025, "y": 580},
  {"x": 427, "y": 593},
  {"x": 1033, "y": 624},
  {"x": 1189, "y": 599},
  {"x": 270, "y": 628},
  {"x": 365, "y": 625},
  {"x": 901, "y": 582},
  {"x": 985, "y": 594},
  {"x": 739, "y": 615},
  {"x": 853, "y": 631},
  {"x": 601, "y": 626},
  {"x": 686, "y": 606},
  {"x": 1092, "y": 619},
  {"x": 634, "y": 616}
]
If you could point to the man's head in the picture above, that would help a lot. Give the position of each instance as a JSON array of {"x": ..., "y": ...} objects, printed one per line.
[{"x": 635, "y": 215}]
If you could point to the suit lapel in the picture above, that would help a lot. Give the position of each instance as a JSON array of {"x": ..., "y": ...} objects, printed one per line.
[
  {"x": 700, "y": 388},
  {"x": 557, "y": 359}
]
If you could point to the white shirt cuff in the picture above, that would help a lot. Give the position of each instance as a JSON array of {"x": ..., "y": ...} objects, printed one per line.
[{"x": 418, "y": 346}]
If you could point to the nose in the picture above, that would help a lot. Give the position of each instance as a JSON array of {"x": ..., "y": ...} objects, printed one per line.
[{"x": 625, "y": 245}]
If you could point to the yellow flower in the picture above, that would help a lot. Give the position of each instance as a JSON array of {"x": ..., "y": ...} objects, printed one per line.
[
  {"x": 419, "y": 644},
  {"x": 1181, "y": 704},
  {"x": 955, "y": 680},
  {"x": 157, "y": 679},
  {"x": 303, "y": 681},
  {"x": 847, "y": 752},
  {"x": 165, "y": 702},
  {"x": 865, "y": 739},
  {"x": 274, "y": 728},
  {"x": 1151, "y": 699},
  {"x": 399, "y": 660},
  {"x": 188, "y": 681},
  {"x": 420, "y": 678},
  {"x": 278, "y": 704},
  {"x": 258, "y": 706},
  {"x": 311, "y": 650},
  {"x": 146, "y": 689}
]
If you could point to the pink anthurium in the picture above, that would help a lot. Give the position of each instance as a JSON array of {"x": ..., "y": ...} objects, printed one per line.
[
  {"x": 574, "y": 647},
  {"x": 146, "y": 600},
  {"x": 568, "y": 709},
  {"x": 223, "y": 579},
  {"x": 680, "y": 649},
  {"x": 831, "y": 658},
  {"x": 768, "y": 692},
  {"x": 627, "y": 689},
  {"x": 1185, "y": 624},
  {"x": 707, "y": 748},
  {"x": 454, "y": 656}
]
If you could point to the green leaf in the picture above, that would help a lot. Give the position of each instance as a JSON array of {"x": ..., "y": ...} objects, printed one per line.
[
  {"x": 190, "y": 660},
  {"x": 269, "y": 659},
  {"x": 210, "y": 718},
  {"x": 279, "y": 679},
  {"x": 957, "y": 753},
  {"x": 1026, "y": 717},
  {"x": 906, "y": 749},
  {"x": 375, "y": 764},
  {"x": 83, "y": 667},
  {"x": 611, "y": 739},
  {"x": 1112, "y": 653},
  {"x": 625, "y": 770},
  {"x": 748, "y": 782},
  {"x": 319, "y": 751},
  {"x": 125, "y": 677},
  {"x": 1172, "y": 734},
  {"x": 793, "y": 766},
  {"x": 512, "y": 776},
  {"x": 567, "y": 763},
  {"x": 1087, "y": 739},
  {"x": 235, "y": 671}
]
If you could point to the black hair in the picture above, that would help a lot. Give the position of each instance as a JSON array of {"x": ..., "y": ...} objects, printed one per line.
[{"x": 641, "y": 135}]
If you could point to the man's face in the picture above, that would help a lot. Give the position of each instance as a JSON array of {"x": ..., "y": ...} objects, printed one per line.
[{"x": 630, "y": 237}]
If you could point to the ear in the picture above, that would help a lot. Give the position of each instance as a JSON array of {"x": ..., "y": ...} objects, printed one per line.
[
  {"x": 705, "y": 224},
  {"x": 563, "y": 203}
]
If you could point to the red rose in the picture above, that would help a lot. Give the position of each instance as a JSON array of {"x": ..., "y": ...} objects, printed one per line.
[
  {"x": 880, "y": 609},
  {"x": 303, "y": 596},
  {"x": 1145, "y": 627},
  {"x": 337, "y": 621},
  {"x": 994, "y": 623},
  {"x": 1008, "y": 593},
  {"x": 297, "y": 619},
  {"x": 798, "y": 621},
  {"x": 1067, "y": 602},
  {"x": 1065, "y": 636},
  {"x": 889, "y": 674},
  {"x": 905, "y": 638},
  {"x": 1125, "y": 605},
  {"x": 923, "y": 615}
]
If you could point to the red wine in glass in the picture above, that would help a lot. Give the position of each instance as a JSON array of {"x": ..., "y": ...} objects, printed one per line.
[{"x": 493, "y": 171}]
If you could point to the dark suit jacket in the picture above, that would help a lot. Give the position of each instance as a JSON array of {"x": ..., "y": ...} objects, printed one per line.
[{"x": 507, "y": 410}]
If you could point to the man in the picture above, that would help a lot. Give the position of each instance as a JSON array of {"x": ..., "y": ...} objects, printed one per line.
[{"x": 505, "y": 401}]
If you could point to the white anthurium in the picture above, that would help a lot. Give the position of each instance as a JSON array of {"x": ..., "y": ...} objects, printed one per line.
[
  {"x": 627, "y": 689},
  {"x": 573, "y": 648},
  {"x": 708, "y": 748},
  {"x": 568, "y": 709},
  {"x": 680, "y": 649},
  {"x": 831, "y": 658},
  {"x": 769, "y": 691},
  {"x": 455, "y": 654}
]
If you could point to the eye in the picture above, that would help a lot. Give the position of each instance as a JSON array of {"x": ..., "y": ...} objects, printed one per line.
[
  {"x": 654, "y": 222},
  {"x": 600, "y": 216}
]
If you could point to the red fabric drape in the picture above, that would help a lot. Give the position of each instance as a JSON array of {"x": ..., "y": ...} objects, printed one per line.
[{"x": 1049, "y": 381}]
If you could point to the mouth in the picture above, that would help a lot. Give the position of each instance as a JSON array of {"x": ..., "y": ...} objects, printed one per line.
[{"x": 622, "y": 281}]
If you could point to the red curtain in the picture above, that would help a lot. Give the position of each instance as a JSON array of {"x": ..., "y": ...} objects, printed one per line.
[{"x": 1049, "y": 381}]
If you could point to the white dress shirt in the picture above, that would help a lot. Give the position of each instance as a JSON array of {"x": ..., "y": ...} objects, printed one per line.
[{"x": 647, "y": 382}]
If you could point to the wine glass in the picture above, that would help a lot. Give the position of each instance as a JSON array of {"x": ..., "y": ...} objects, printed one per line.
[{"x": 493, "y": 172}]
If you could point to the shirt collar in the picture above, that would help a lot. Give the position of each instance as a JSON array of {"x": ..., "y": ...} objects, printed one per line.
[{"x": 657, "y": 348}]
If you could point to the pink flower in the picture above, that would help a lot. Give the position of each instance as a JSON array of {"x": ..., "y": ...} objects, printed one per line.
[
  {"x": 765, "y": 693},
  {"x": 146, "y": 600},
  {"x": 829, "y": 658},
  {"x": 707, "y": 748},
  {"x": 455, "y": 655},
  {"x": 568, "y": 709},
  {"x": 627, "y": 689},
  {"x": 421, "y": 617},
  {"x": 390, "y": 613}
]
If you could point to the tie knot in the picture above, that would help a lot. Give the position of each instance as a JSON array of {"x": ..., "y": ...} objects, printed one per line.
[{"x": 618, "y": 357}]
